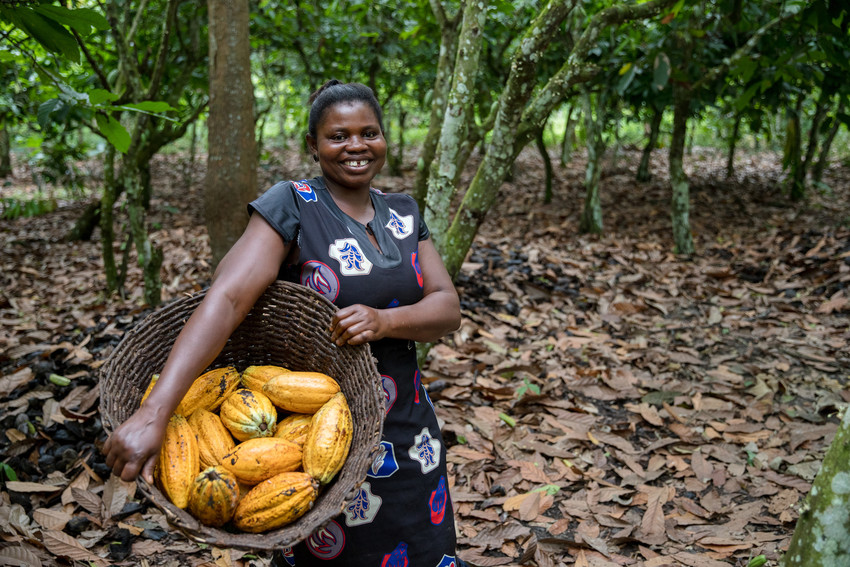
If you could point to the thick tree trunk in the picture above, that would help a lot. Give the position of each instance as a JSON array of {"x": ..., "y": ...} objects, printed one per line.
[
  {"x": 643, "y": 173},
  {"x": 680, "y": 203},
  {"x": 822, "y": 535},
  {"x": 231, "y": 181},
  {"x": 733, "y": 142},
  {"x": 5, "y": 149},
  {"x": 149, "y": 256},
  {"x": 591, "y": 217}
]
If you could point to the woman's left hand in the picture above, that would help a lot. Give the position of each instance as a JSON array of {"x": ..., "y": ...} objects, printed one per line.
[{"x": 357, "y": 324}]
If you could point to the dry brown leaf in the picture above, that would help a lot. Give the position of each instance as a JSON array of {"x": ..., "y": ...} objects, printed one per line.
[
  {"x": 19, "y": 555},
  {"x": 20, "y": 486},
  {"x": 50, "y": 518},
  {"x": 63, "y": 545}
]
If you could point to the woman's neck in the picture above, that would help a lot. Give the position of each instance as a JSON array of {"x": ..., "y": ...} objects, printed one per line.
[{"x": 356, "y": 203}]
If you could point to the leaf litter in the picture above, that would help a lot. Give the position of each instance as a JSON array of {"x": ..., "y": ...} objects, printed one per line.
[{"x": 604, "y": 402}]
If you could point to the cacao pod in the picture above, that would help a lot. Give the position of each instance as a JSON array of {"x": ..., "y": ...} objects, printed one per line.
[
  {"x": 294, "y": 428},
  {"x": 248, "y": 414},
  {"x": 147, "y": 393},
  {"x": 178, "y": 460},
  {"x": 214, "y": 440},
  {"x": 275, "y": 502},
  {"x": 301, "y": 392},
  {"x": 328, "y": 440},
  {"x": 255, "y": 460},
  {"x": 254, "y": 377},
  {"x": 209, "y": 390},
  {"x": 214, "y": 496}
]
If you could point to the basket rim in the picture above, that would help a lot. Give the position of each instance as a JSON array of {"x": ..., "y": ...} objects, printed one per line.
[{"x": 296, "y": 531}]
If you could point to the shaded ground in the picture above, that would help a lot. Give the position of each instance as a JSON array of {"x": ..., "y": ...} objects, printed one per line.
[{"x": 605, "y": 402}]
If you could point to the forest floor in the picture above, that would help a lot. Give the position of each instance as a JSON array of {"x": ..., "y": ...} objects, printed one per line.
[{"x": 605, "y": 402}]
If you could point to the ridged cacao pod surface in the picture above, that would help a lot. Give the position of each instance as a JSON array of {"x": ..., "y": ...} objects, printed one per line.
[
  {"x": 214, "y": 440},
  {"x": 258, "y": 459},
  {"x": 209, "y": 390},
  {"x": 248, "y": 414},
  {"x": 329, "y": 439},
  {"x": 255, "y": 377},
  {"x": 178, "y": 460},
  {"x": 294, "y": 428},
  {"x": 275, "y": 502},
  {"x": 214, "y": 496},
  {"x": 301, "y": 392}
]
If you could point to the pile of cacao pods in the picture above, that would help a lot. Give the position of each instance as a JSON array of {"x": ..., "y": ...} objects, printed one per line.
[{"x": 255, "y": 448}]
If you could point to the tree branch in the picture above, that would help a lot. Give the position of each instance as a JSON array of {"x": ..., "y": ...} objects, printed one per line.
[{"x": 159, "y": 68}]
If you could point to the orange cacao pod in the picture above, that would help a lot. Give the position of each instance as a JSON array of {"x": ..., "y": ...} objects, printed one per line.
[
  {"x": 328, "y": 440},
  {"x": 214, "y": 496},
  {"x": 248, "y": 414},
  {"x": 255, "y": 460},
  {"x": 301, "y": 392},
  {"x": 294, "y": 428},
  {"x": 275, "y": 502},
  {"x": 209, "y": 390},
  {"x": 255, "y": 377},
  {"x": 214, "y": 440},
  {"x": 151, "y": 384},
  {"x": 178, "y": 460}
]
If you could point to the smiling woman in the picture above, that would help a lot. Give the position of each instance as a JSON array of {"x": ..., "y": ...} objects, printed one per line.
[{"x": 371, "y": 254}]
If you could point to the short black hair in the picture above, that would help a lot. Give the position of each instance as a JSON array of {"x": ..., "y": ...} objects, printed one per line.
[{"x": 335, "y": 92}]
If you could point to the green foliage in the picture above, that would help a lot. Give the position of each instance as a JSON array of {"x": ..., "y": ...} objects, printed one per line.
[{"x": 16, "y": 207}]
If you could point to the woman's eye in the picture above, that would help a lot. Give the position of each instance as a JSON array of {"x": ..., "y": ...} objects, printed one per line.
[{"x": 370, "y": 134}]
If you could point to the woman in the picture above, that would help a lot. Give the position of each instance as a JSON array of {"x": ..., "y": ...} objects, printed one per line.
[{"x": 371, "y": 255}]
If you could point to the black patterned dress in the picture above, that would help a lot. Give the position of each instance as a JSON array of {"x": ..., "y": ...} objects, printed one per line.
[{"x": 403, "y": 514}]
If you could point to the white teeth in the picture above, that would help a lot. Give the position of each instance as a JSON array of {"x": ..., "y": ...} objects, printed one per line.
[{"x": 356, "y": 163}]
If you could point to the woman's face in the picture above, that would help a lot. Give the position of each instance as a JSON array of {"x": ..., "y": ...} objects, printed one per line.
[{"x": 350, "y": 145}]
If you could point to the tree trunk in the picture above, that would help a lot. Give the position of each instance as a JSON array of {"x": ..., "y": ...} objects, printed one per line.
[
  {"x": 823, "y": 158},
  {"x": 439, "y": 100},
  {"x": 680, "y": 203},
  {"x": 814, "y": 133},
  {"x": 591, "y": 218},
  {"x": 643, "y": 173},
  {"x": 793, "y": 151},
  {"x": 547, "y": 164},
  {"x": 149, "y": 256},
  {"x": 822, "y": 534},
  {"x": 231, "y": 181},
  {"x": 5, "y": 149},
  {"x": 107, "y": 232},
  {"x": 733, "y": 142},
  {"x": 569, "y": 138}
]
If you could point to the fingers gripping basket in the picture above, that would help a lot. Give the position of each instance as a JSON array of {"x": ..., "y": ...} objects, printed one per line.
[{"x": 288, "y": 326}]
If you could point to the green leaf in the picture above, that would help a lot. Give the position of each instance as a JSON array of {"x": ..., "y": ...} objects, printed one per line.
[
  {"x": 149, "y": 106},
  {"x": 626, "y": 77},
  {"x": 9, "y": 472},
  {"x": 97, "y": 96},
  {"x": 45, "y": 109},
  {"x": 83, "y": 20},
  {"x": 52, "y": 36},
  {"x": 115, "y": 133},
  {"x": 507, "y": 419}
]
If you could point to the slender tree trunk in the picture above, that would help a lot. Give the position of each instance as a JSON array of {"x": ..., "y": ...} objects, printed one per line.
[
  {"x": 189, "y": 172},
  {"x": 231, "y": 181},
  {"x": 814, "y": 133},
  {"x": 107, "y": 232},
  {"x": 823, "y": 158},
  {"x": 5, "y": 149},
  {"x": 547, "y": 164},
  {"x": 793, "y": 151},
  {"x": 733, "y": 142},
  {"x": 680, "y": 203},
  {"x": 822, "y": 535},
  {"x": 591, "y": 218},
  {"x": 439, "y": 100},
  {"x": 643, "y": 173},
  {"x": 569, "y": 138}
]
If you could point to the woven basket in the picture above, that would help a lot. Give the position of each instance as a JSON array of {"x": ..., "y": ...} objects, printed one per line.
[{"x": 288, "y": 326}]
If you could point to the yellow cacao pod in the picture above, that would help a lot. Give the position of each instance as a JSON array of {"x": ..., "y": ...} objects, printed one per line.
[
  {"x": 301, "y": 392},
  {"x": 209, "y": 390},
  {"x": 214, "y": 440},
  {"x": 248, "y": 414},
  {"x": 294, "y": 428},
  {"x": 147, "y": 393},
  {"x": 275, "y": 502},
  {"x": 214, "y": 496},
  {"x": 329, "y": 439},
  {"x": 255, "y": 377},
  {"x": 255, "y": 460},
  {"x": 178, "y": 460}
]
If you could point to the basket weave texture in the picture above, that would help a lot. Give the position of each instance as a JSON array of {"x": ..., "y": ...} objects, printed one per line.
[{"x": 288, "y": 326}]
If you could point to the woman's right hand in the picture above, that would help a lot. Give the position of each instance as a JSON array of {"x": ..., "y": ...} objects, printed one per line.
[{"x": 133, "y": 448}]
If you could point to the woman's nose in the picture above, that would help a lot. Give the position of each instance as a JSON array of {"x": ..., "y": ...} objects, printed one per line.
[{"x": 356, "y": 143}]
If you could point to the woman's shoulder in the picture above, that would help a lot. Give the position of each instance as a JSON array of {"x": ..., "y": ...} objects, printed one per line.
[{"x": 396, "y": 200}]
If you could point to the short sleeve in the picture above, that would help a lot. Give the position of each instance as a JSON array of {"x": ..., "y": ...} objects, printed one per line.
[
  {"x": 424, "y": 233},
  {"x": 280, "y": 208}
]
